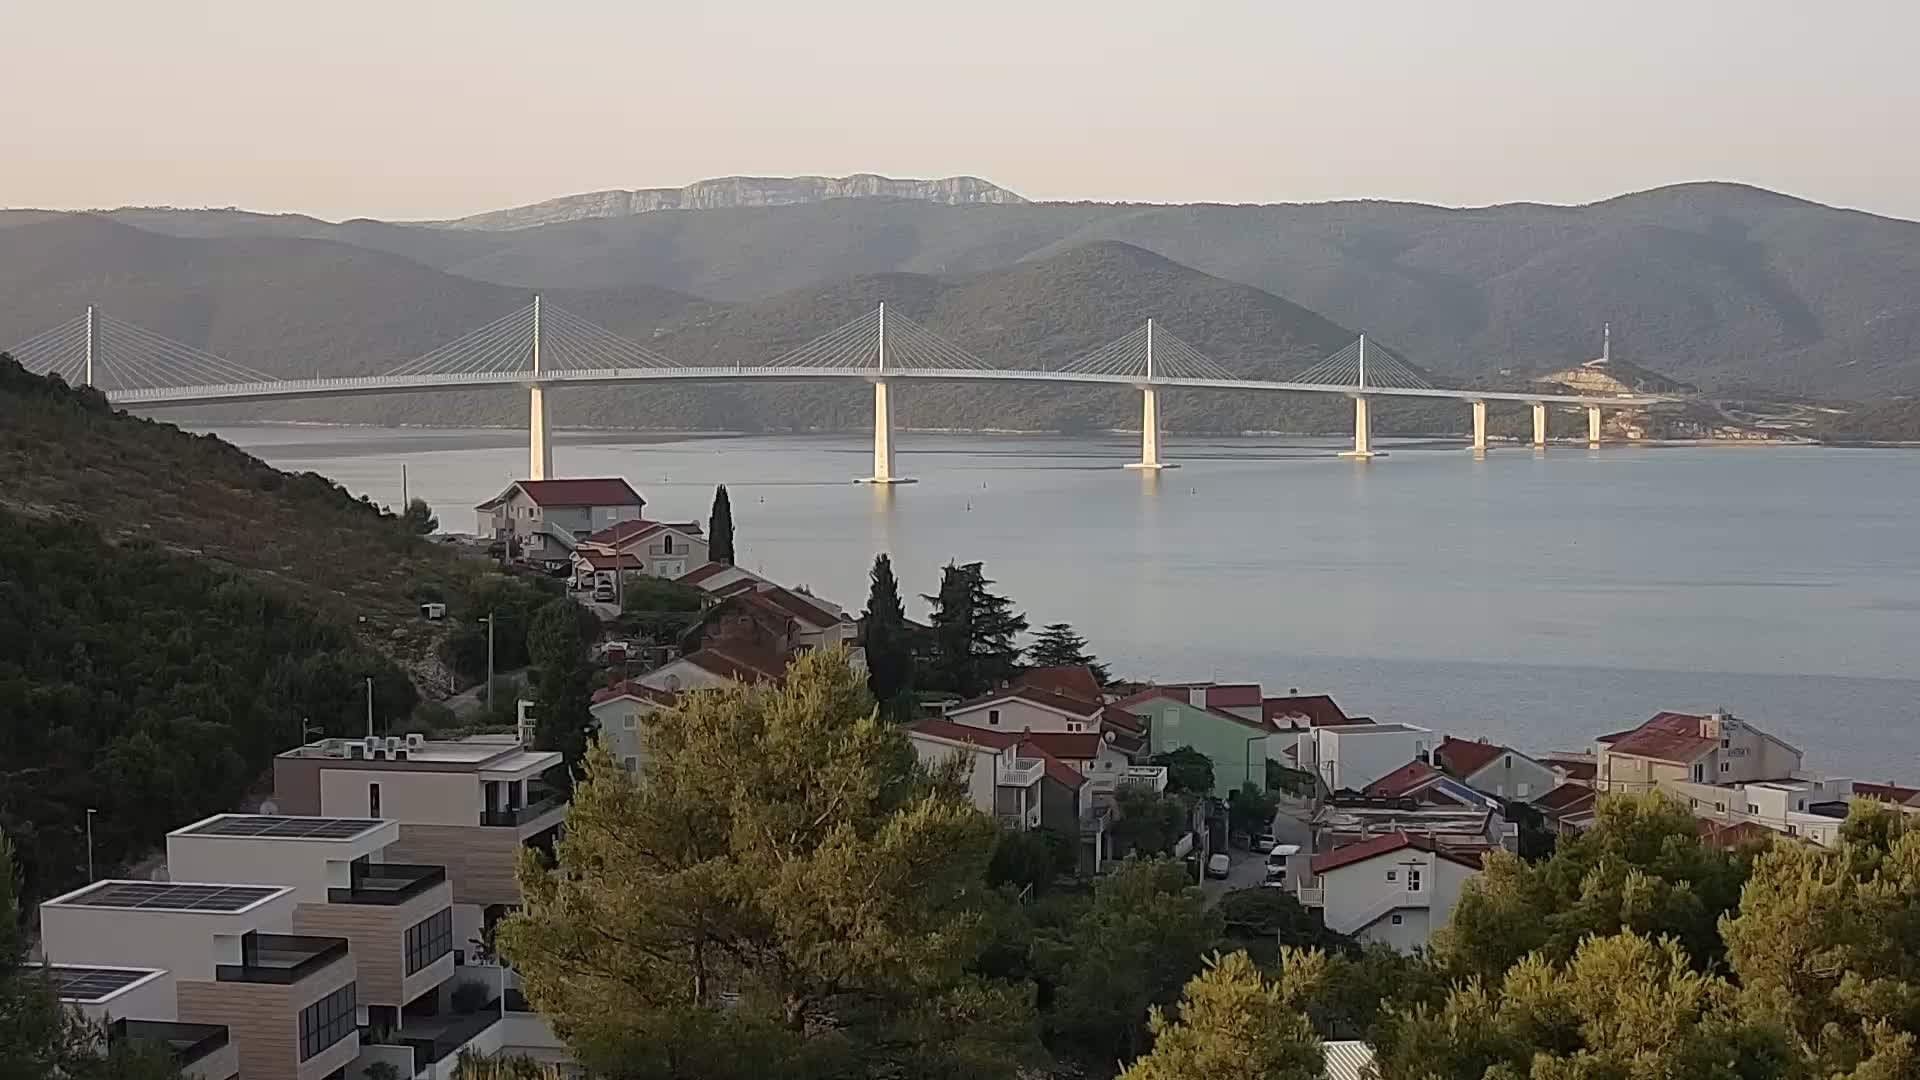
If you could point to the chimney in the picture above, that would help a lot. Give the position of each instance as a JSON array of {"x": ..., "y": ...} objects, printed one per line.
[{"x": 1197, "y": 696}]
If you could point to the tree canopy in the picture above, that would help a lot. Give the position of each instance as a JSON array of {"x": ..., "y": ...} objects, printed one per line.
[
  {"x": 782, "y": 884},
  {"x": 418, "y": 518},
  {"x": 1189, "y": 772},
  {"x": 973, "y": 632},
  {"x": 1234, "y": 1025},
  {"x": 1057, "y": 645}
]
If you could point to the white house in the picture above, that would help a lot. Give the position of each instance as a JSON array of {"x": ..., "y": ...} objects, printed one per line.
[
  {"x": 1396, "y": 888},
  {"x": 619, "y": 711},
  {"x": 1027, "y": 708},
  {"x": 1352, "y": 756},
  {"x": 1497, "y": 770},
  {"x": 656, "y": 548},
  {"x": 549, "y": 518}
]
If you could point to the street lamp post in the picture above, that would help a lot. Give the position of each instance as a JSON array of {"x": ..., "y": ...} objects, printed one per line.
[
  {"x": 487, "y": 692},
  {"x": 90, "y": 812},
  {"x": 1249, "y": 776}
]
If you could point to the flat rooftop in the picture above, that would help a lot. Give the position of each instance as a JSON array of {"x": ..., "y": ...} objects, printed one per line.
[
  {"x": 1369, "y": 729},
  {"x": 272, "y": 827},
  {"x": 475, "y": 750},
  {"x": 93, "y": 985},
  {"x": 169, "y": 896}
]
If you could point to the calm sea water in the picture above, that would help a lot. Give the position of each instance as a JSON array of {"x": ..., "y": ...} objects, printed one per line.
[{"x": 1533, "y": 598}]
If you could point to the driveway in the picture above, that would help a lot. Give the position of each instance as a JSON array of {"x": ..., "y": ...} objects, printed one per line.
[{"x": 1249, "y": 868}]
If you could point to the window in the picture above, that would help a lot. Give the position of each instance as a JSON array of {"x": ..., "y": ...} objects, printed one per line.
[
  {"x": 1522, "y": 789},
  {"x": 331, "y": 1019},
  {"x": 1699, "y": 773},
  {"x": 1074, "y": 725},
  {"x": 1719, "y": 808},
  {"x": 1396, "y": 920},
  {"x": 1793, "y": 830},
  {"x": 993, "y": 717},
  {"x": 632, "y": 765},
  {"x": 1800, "y": 804},
  {"x": 1393, "y": 875},
  {"x": 429, "y": 939},
  {"x": 666, "y": 547},
  {"x": 630, "y": 721},
  {"x": 1413, "y": 879},
  {"x": 373, "y": 800},
  {"x": 1726, "y": 767}
]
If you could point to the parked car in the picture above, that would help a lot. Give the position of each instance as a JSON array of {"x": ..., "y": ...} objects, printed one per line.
[
  {"x": 603, "y": 592},
  {"x": 1266, "y": 842},
  {"x": 1218, "y": 865}
]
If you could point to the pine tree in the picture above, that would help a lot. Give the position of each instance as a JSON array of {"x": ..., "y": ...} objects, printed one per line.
[
  {"x": 974, "y": 631},
  {"x": 889, "y": 650},
  {"x": 1233, "y": 1025},
  {"x": 720, "y": 528},
  {"x": 1058, "y": 646},
  {"x": 39, "y": 1035}
]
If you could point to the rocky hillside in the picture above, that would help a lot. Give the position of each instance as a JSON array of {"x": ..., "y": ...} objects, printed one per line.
[{"x": 732, "y": 191}]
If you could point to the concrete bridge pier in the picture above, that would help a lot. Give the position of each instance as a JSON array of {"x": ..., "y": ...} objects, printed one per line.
[
  {"x": 1362, "y": 431},
  {"x": 1539, "y": 425},
  {"x": 1593, "y": 425},
  {"x": 883, "y": 472},
  {"x": 539, "y": 450},
  {"x": 1150, "y": 431},
  {"x": 1479, "y": 427}
]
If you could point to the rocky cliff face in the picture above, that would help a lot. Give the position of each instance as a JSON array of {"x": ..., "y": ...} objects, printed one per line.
[{"x": 729, "y": 191}]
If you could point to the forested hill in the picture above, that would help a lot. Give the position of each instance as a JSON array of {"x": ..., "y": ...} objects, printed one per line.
[{"x": 171, "y": 612}]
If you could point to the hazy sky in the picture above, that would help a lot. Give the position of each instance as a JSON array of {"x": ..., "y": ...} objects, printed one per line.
[{"x": 427, "y": 108}]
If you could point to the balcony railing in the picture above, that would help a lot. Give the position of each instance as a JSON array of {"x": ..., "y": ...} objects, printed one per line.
[
  {"x": 1153, "y": 777},
  {"x": 1312, "y": 895},
  {"x": 188, "y": 1043},
  {"x": 280, "y": 958},
  {"x": 520, "y": 815},
  {"x": 388, "y": 883},
  {"x": 437, "y": 1038},
  {"x": 1024, "y": 772}
]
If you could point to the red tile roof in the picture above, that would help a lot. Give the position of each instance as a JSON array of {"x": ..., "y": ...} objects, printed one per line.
[
  {"x": 947, "y": 729},
  {"x": 621, "y": 532},
  {"x": 1066, "y": 745},
  {"x": 1060, "y": 771},
  {"x": 1402, "y": 780},
  {"x": 1669, "y": 736},
  {"x": 1574, "y": 770},
  {"x": 1565, "y": 798},
  {"x": 1461, "y": 759},
  {"x": 1073, "y": 680},
  {"x": 1386, "y": 844},
  {"x": 1226, "y": 695},
  {"x": 1113, "y": 716},
  {"x": 731, "y": 665},
  {"x": 632, "y": 689},
  {"x": 1034, "y": 695},
  {"x": 1738, "y": 834},
  {"x": 1180, "y": 694},
  {"x": 601, "y": 491},
  {"x": 597, "y": 560},
  {"x": 1318, "y": 710},
  {"x": 737, "y": 586},
  {"x": 800, "y": 607},
  {"x": 1893, "y": 793},
  {"x": 702, "y": 572}
]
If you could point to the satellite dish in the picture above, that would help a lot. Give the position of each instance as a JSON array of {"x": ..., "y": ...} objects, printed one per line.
[
  {"x": 1107, "y": 735},
  {"x": 270, "y": 808}
]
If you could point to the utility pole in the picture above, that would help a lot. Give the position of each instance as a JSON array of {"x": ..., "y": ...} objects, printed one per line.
[
  {"x": 90, "y": 812},
  {"x": 487, "y": 691},
  {"x": 403, "y": 489}
]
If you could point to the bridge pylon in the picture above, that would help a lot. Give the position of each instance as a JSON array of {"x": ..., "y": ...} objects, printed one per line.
[
  {"x": 1479, "y": 426},
  {"x": 539, "y": 448},
  {"x": 1539, "y": 425},
  {"x": 883, "y": 472},
  {"x": 1150, "y": 418},
  {"x": 1362, "y": 414}
]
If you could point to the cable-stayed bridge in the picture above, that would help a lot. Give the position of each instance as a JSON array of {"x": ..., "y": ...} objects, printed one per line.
[{"x": 542, "y": 347}]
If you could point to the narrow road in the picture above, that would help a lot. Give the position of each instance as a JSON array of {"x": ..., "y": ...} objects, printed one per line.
[{"x": 1249, "y": 868}]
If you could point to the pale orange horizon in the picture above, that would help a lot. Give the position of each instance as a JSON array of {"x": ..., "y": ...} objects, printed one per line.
[{"x": 432, "y": 109}]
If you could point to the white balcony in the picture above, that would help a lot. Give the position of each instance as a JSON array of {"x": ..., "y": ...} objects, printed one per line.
[
  {"x": 1152, "y": 777},
  {"x": 1019, "y": 772},
  {"x": 1312, "y": 895}
]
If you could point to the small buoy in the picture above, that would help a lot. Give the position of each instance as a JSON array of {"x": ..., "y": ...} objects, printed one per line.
[{"x": 969, "y": 504}]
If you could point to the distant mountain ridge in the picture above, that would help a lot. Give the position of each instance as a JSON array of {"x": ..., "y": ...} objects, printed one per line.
[
  {"x": 731, "y": 191},
  {"x": 1736, "y": 289}
]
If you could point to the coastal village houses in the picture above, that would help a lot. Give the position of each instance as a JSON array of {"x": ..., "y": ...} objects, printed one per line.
[{"x": 1226, "y": 723}]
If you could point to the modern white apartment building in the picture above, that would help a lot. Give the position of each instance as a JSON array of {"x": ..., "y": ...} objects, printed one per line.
[
  {"x": 131, "y": 1003},
  {"x": 469, "y": 805},
  {"x": 289, "y": 1002}
]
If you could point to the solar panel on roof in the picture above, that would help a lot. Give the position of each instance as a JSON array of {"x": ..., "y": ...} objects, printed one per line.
[
  {"x": 297, "y": 828},
  {"x": 93, "y": 984},
  {"x": 159, "y": 894}
]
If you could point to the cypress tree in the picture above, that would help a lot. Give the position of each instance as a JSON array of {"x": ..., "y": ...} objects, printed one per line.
[
  {"x": 889, "y": 650},
  {"x": 720, "y": 528}
]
